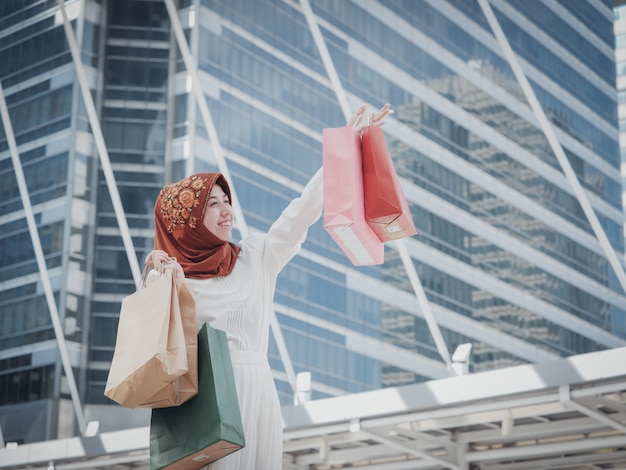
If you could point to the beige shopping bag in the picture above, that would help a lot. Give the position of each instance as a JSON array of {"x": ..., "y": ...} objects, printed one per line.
[{"x": 155, "y": 359}]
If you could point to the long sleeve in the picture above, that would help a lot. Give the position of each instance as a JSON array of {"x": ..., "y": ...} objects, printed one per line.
[{"x": 286, "y": 235}]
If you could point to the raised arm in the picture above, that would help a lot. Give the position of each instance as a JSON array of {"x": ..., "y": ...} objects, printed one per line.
[{"x": 287, "y": 234}]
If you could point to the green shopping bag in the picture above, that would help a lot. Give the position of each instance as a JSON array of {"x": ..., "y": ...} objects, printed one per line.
[{"x": 207, "y": 427}]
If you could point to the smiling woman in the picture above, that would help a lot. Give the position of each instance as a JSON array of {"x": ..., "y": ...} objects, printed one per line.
[{"x": 234, "y": 288}]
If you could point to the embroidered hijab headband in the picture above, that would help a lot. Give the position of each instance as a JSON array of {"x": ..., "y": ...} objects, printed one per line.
[{"x": 180, "y": 230}]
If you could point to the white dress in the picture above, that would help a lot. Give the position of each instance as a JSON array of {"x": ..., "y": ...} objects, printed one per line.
[{"x": 241, "y": 304}]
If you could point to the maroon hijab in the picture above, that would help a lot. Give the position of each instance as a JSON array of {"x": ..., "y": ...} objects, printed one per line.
[{"x": 180, "y": 230}]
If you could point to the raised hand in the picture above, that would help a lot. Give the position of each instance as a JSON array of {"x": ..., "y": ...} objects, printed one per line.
[{"x": 360, "y": 119}]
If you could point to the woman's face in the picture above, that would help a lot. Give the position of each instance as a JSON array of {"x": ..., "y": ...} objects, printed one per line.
[{"x": 218, "y": 217}]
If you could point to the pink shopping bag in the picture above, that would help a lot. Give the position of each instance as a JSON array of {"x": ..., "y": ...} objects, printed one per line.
[{"x": 344, "y": 217}]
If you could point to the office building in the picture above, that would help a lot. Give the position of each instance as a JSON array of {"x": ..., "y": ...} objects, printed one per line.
[
  {"x": 517, "y": 250},
  {"x": 620, "y": 58}
]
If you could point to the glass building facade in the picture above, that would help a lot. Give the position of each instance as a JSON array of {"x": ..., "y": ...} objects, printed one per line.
[
  {"x": 620, "y": 69},
  {"x": 508, "y": 260}
]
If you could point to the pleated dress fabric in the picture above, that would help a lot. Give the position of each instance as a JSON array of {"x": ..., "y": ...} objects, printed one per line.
[{"x": 241, "y": 305}]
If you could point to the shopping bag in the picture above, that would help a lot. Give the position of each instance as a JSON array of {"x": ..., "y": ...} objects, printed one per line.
[
  {"x": 386, "y": 208},
  {"x": 184, "y": 387},
  {"x": 207, "y": 427},
  {"x": 151, "y": 351},
  {"x": 344, "y": 217}
]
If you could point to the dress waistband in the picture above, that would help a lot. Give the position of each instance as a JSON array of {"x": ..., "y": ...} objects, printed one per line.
[{"x": 248, "y": 357}]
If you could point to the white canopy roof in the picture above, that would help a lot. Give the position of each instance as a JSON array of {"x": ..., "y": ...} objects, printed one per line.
[
  {"x": 565, "y": 414},
  {"x": 559, "y": 414}
]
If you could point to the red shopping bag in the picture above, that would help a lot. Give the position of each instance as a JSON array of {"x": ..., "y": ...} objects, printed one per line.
[
  {"x": 386, "y": 208},
  {"x": 344, "y": 217}
]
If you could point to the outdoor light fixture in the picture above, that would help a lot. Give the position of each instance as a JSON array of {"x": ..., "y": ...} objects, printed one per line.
[
  {"x": 355, "y": 425},
  {"x": 461, "y": 359},
  {"x": 303, "y": 388},
  {"x": 92, "y": 428}
]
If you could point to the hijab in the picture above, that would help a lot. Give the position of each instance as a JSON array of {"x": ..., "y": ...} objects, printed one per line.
[{"x": 180, "y": 230}]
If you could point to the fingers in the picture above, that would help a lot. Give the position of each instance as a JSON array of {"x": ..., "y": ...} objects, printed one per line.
[
  {"x": 158, "y": 259},
  {"x": 361, "y": 125},
  {"x": 172, "y": 264},
  {"x": 357, "y": 115},
  {"x": 178, "y": 271},
  {"x": 376, "y": 118}
]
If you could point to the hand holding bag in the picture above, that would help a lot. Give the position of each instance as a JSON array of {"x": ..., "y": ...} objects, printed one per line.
[
  {"x": 154, "y": 362},
  {"x": 386, "y": 208},
  {"x": 207, "y": 427},
  {"x": 344, "y": 217}
]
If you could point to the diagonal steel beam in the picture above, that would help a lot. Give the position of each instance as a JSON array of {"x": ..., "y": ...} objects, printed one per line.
[
  {"x": 399, "y": 244},
  {"x": 41, "y": 264},
  {"x": 409, "y": 449},
  {"x": 566, "y": 398},
  {"x": 218, "y": 152},
  {"x": 554, "y": 142},
  {"x": 103, "y": 153}
]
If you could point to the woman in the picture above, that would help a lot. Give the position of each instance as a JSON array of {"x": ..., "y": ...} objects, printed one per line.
[{"x": 234, "y": 287}]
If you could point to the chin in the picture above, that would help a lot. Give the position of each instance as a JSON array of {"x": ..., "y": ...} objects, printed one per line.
[{"x": 226, "y": 237}]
